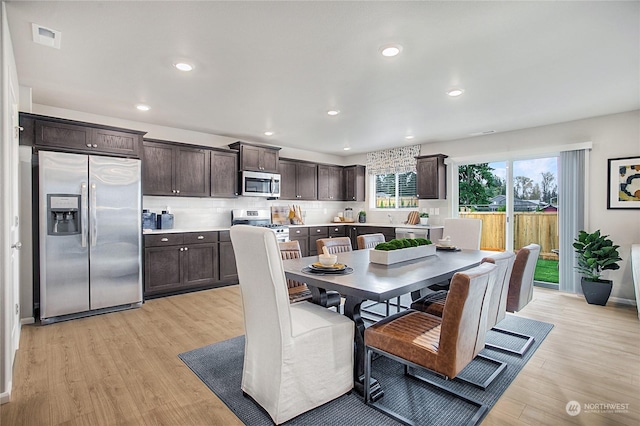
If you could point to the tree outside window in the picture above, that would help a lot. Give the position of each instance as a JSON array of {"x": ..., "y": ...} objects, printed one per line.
[{"x": 396, "y": 191}]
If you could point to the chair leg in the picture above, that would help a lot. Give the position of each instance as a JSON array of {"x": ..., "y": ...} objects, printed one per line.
[
  {"x": 481, "y": 411},
  {"x": 519, "y": 352},
  {"x": 484, "y": 385}
]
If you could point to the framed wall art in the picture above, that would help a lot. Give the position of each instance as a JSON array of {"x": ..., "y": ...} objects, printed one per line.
[{"x": 623, "y": 189}]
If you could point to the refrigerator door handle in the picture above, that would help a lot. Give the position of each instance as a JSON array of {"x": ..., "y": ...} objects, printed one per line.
[
  {"x": 84, "y": 213},
  {"x": 94, "y": 224}
]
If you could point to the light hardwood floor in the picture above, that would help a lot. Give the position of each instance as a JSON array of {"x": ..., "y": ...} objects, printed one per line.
[{"x": 122, "y": 368}]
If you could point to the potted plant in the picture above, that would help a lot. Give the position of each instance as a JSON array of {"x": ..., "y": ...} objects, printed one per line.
[
  {"x": 362, "y": 216},
  {"x": 595, "y": 253},
  {"x": 424, "y": 218}
]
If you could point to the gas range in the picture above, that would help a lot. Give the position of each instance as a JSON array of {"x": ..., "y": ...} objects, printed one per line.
[{"x": 259, "y": 218}]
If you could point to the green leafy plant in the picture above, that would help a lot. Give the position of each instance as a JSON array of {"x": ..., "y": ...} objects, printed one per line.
[
  {"x": 401, "y": 243},
  {"x": 595, "y": 253},
  {"x": 424, "y": 215},
  {"x": 362, "y": 213}
]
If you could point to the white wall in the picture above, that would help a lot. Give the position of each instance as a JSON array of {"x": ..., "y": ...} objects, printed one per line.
[
  {"x": 9, "y": 295},
  {"x": 613, "y": 136}
]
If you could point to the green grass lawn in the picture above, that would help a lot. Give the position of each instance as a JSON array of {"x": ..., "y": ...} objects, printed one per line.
[{"x": 547, "y": 271}]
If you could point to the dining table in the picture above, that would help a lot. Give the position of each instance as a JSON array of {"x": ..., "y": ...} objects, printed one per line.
[{"x": 367, "y": 281}]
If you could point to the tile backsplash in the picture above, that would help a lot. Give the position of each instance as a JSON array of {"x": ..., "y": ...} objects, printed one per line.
[{"x": 198, "y": 213}]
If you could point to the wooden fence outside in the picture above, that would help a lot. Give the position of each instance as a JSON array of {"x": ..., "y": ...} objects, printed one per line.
[{"x": 528, "y": 227}]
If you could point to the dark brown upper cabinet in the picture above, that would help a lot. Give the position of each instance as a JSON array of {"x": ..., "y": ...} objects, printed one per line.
[
  {"x": 298, "y": 180},
  {"x": 224, "y": 174},
  {"x": 74, "y": 136},
  {"x": 354, "y": 177},
  {"x": 257, "y": 158},
  {"x": 431, "y": 177},
  {"x": 330, "y": 183},
  {"x": 178, "y": 170}
]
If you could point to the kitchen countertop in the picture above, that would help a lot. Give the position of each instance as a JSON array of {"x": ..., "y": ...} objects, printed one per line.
[{"x": 226, "y": 228}]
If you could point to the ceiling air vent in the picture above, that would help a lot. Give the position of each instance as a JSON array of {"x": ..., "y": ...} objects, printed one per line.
[
  {"x": 46, "y": 36},
  {"x": 486, "y": 132}
]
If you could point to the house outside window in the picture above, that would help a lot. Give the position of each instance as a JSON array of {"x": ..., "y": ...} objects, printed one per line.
[{"x": 395, "y": 191}]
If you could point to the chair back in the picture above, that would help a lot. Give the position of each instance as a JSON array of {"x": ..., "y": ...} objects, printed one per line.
[
  {"x": 291, "y": 250},
  {"x": 464, "y": 319},
  {"x": 334, "y": 245},
  {"x": 464, "y": 233},
  {"x": 521, "y": 282},
  {"x": 498, "y": 298},
  {"x": 265, "y": 299},
  {"x": 369, "y": 240}
]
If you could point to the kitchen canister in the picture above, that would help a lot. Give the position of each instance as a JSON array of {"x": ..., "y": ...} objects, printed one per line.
[
  {"x": 165, "y": 220},
  {"x": 148, "y": 220}
]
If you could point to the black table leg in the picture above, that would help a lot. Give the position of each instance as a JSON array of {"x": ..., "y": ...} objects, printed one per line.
[
  {"x": 352, "y": 310},
  {"x": 318, "y": 295}
]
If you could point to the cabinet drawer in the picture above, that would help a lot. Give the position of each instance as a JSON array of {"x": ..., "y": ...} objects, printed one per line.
[
  {"x": 336, "y": 231},
  {"x": 224, "y": 236},
  {"x": 201, "y": 237},
  {"x": 163, "y": 240},
  {"x": 319, "y": 231},
  {"x": 298, "y": 232}
]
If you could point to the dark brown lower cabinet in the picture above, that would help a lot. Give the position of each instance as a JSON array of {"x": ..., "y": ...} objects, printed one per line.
[
  {"x": 181, "y": 262},
  {"x": 228, "y": 268}
]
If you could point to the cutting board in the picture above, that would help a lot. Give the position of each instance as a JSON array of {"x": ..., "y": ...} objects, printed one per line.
[
  {"x": 414, "y": 218},
  {"x": 280, "y": 215}
]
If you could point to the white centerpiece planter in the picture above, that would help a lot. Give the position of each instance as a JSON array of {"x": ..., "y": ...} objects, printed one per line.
[{"x": 401, "y": 255}]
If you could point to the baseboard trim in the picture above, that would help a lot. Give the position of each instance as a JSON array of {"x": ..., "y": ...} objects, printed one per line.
[
  {"x": 623, "y": 301},
  {"x": 5, "y": 396},
  {"x": 24, "y": 321}
]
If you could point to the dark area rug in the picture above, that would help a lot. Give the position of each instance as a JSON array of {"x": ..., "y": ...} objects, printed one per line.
[{"x": 219, "y": 366}]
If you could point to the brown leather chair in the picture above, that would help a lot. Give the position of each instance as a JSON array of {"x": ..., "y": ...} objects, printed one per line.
[
  {"x": 369, "y": 240},
  {"x": 334, "y": 245},
  {"x": 299, "y": 291},
  {"x": 521, "y": 283},
  {"x": 442, "y": 345}
]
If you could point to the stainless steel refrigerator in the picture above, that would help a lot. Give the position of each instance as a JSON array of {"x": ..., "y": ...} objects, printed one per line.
[{"x": 90, "y": 234}]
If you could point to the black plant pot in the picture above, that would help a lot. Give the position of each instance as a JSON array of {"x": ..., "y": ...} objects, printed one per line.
[
  {"x": 362, "y": 218},
  {"x": 596, "y": 292}
]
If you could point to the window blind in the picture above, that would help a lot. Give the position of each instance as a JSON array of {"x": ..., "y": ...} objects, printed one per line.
[{"x": 395, "y": 160}]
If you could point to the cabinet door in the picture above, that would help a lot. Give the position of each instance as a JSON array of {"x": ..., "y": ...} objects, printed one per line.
[
  {"x": 336, "y": 183},
  {"x": 115, "y": 142},
  {"x": 228, "y": 268},
  {"x": 307, "y": 181},
  {"x": 157, "y": 169},
  {"x": 304, "y": 244},
  {"x": 354, "y": 183},
  {"x": 201, "y": 264},
  {"x": 250, "y": 158},
  {"x": 192, "y": 172},
  {"x": 269, "y": 160},
  {"x": 63, "y": 135},
  {"x": 431, "y": 177},
  {"x": 162, "y": 269},
  {"x": 224, "y": 174},
  {"x": 288, "y": 180},
  {"x": 324, "y": 183}
]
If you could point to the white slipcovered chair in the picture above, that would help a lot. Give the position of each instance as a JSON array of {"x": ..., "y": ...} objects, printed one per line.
[
  {"x": 297, "y": 356},
  {"x": 464, "y": 233}
]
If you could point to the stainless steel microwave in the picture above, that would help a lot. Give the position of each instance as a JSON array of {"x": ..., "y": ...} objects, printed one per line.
[{"x": 259, "y": 184}]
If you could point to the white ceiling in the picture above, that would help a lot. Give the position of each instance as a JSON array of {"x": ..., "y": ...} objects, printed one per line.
[{"x": 281, "y": 65}]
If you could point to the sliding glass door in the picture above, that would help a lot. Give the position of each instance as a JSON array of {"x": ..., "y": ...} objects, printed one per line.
[{"x": 517, "y": 201}]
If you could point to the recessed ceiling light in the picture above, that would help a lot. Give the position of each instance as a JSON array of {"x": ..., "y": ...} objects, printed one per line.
[
  {"x": 142, "y": 107},
  {"x": 409, "y": 137},
  {"x": 455, "y": 92},
  {"x": 390, "y": 50},
  {"x": 333, "y": 112},
  {"x": 183, "y": 66},
  {"x": 268, "y": 133},
  {"x": 346, "y": 148}
]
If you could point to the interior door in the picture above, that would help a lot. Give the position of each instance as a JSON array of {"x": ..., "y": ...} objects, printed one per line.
[{"x": 14, "y": 270}]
